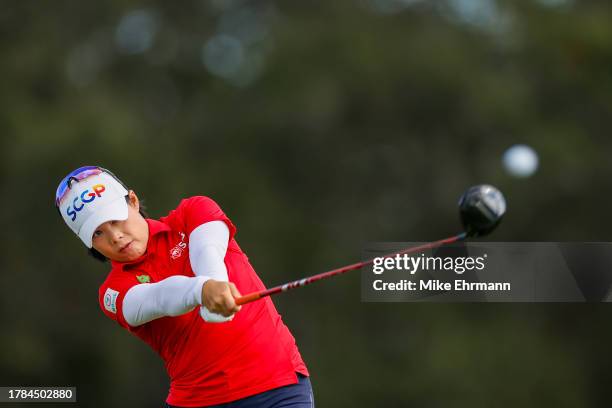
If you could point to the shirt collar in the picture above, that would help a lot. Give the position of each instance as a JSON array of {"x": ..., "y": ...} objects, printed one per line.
[{"x": 155, "y": 227}]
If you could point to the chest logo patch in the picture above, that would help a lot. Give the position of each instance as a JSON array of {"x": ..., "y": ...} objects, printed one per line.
[
  {"x": 143, "y": 278},
  {"x": 178, "y": 249}
]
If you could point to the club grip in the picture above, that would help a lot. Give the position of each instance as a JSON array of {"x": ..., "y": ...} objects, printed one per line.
[{"x": 248, "y": 298}]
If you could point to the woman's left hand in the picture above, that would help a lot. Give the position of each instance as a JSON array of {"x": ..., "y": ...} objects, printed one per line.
[{"x": 219, "y": 297}]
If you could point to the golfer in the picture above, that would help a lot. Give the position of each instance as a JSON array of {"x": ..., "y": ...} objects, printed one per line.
[{"x": 173, "y": 282}]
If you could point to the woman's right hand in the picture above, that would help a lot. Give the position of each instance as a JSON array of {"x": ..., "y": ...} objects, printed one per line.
[{"x": 219, "y": 297}]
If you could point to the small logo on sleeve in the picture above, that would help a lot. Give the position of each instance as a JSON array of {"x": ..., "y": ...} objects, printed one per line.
[
  {"x": 143, "y": 278},
  {"x": 110, "y": 300},
  {"x": 178, "y": 249}
]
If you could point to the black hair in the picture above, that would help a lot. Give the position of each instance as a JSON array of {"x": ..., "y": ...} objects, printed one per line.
[{"x": 97, "y": 255}]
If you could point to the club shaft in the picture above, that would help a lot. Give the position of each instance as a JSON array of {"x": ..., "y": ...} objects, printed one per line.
[{"x": 324, "y": 275}]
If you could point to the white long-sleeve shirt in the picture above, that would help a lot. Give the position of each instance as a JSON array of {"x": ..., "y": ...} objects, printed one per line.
[{"x": 177, "y": 295}]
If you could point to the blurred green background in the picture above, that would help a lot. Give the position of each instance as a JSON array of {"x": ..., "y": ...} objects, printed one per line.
[{"x": 318, "y": 127}]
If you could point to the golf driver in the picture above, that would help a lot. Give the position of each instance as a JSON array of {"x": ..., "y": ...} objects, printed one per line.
[{"x": 481, "y": 209}]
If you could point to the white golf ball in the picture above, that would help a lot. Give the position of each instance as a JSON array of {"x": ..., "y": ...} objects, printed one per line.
[{"x": 521, "y": 161}]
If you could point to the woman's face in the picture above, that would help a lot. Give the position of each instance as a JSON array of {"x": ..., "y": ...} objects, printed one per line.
[{"x": 123, "y": 241}]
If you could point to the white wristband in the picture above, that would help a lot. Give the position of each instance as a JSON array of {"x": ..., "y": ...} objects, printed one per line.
[{"x": 211, "y": 317}]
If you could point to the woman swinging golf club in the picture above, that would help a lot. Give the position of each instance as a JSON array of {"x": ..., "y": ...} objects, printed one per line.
[{"x": 173, "y": 283}]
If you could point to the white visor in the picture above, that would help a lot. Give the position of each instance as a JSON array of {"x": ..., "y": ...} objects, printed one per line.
[{"x": 91, "y": 202}]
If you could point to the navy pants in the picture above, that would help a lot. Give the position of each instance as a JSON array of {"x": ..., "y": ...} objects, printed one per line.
[{"x": 290, "y": 396}]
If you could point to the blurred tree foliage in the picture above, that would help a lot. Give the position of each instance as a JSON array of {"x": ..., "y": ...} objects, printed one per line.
[{"x": 317, "y": 126}]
